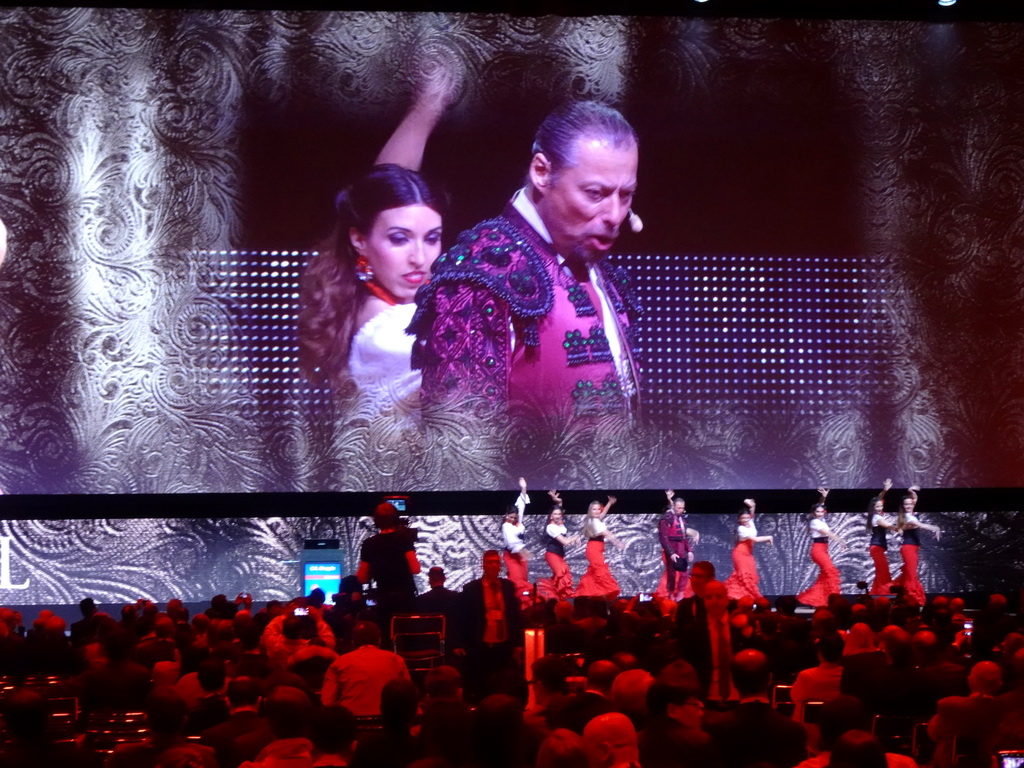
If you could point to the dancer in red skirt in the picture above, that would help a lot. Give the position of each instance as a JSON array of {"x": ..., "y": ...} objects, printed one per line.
[
  {"x": 878, "y": 525},
  {"x": 515, "y": 553},
  {"x": 908, "y": 523},
  {"x": 744, "y": 579},
  {"x": 827, "y": 582},
  {"x": 598, "y": 580},
  {"x": 559, "y": 586}
]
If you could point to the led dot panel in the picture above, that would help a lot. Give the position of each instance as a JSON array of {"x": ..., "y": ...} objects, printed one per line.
[
  {"x": 753, "y": 334},
  {"x": 756, "y": 333},
  {"x": 262, "y": 287}
]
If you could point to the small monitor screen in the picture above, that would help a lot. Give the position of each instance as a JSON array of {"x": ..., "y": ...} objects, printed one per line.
[{"x": 326, "y": 576}]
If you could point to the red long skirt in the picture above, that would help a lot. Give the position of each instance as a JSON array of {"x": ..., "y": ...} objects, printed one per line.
[
  {"x": 598, "y": 580},
  {"x": 744, "y": 579},
  {"x": 827, "y": 582},
  {"x": 883, "y": 579},
  {"x": 913, "y": 590}
]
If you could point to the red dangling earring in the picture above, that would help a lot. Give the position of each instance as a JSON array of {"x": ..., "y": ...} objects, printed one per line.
[{"x": 364, "y": 271}]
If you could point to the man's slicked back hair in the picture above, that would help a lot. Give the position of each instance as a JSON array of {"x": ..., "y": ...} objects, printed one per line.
[{"x": 556, "y": 137}]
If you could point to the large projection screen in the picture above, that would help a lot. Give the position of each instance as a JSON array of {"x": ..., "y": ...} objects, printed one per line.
[{"x": 830, "y": 266}]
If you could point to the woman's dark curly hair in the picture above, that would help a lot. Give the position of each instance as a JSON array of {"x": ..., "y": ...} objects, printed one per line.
[{"x": 331, "y": 294}]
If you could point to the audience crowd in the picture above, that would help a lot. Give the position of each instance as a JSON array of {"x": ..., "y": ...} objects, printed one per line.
[{"x": 703, "y": 683}]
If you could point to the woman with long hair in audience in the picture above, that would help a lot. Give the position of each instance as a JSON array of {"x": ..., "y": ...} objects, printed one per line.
[
  {"x": 598, "y": 581},
  {"x": 910, "y": 526},
  {"x": 515, "y": 553},
  {"x": 878, "y": 525},
  {"x": 560, "y": 586},
  {"x": 743, "y": 582},
  {"x": 827, "y": 582}
]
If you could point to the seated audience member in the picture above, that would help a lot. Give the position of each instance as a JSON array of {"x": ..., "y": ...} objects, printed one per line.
[
  {"x": 595, "y": 699},
  {"x": 48, "y": 651},
  {"x": 27, "y": 744},
  {"x": 499, "y": 737},
  {"x": 332, "y": 730},
  {"x": 973, "y": 718},
  {"x": 564, "y": 636},
  {"x": 563, "y": 749},
  {"x": 355, "y": 679},
  {"x": 896, "y": 689},
  {"x": 842, "y": 714},
  {"x": 251, "y": 662},
  {"x": 753, "y": 732},
  {"x": 288, "y": 712},
  {"x": 221, "y": 608},
  {"x": 165, "y": 719},
  {"x": 550, "y": 691},
  {"x": 445, "y": 718},
  {"x": 243, "y": 708},
  {"x": 939, "y": 673},
  {"x": 673, "y": 736},
  {"x": 158, "y": 644},
  {"x": 117, "y": 684},
  {"x": 212, "y": 707},
  {"x": 861, "y": 658},
  {"x": 612, "y": 739},
  {"x": 1013, "y": 698},
  {"x": 393, "y": 746},
  {"x": 629, "y": 695},
  {"x": 280, "y": 646},
  {"x": 857, "y": 749},
  {"x": 820, "y": 683}
]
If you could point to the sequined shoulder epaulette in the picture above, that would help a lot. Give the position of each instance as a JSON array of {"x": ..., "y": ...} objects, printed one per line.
[
  {"x": 624, "y": 292},
  {"x": 495, "y": 255}
]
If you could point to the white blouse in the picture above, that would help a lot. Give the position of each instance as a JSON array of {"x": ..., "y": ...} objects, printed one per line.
[
  {"x": 554, "y": 530},
  {"x": 379, "y": 360},
  {"x": 819, "y": 528}
]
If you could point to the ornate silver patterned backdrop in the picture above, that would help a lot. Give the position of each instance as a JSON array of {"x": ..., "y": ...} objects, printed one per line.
[
  {"x": 59, "y": 562},
  {"x": 130, "y": 138}
]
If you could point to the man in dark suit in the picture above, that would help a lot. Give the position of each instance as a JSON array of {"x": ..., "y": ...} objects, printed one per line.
[
  {"x": 673, "y": 736},
  {"x": 692, "y": 608},
  {"x": 709, "y": 642},
  {"x": 595, "y": 699},
  {"x": 440, "y": 599},
  {"x": 492, "y": 628},
  {"x": 84, "y": 630},
  {"x": 754, "y": 732},
  {"x": 243, "y": 703}
]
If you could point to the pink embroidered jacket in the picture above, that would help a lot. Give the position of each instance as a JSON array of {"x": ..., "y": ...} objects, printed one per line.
[{"x": 501, "y": 320}]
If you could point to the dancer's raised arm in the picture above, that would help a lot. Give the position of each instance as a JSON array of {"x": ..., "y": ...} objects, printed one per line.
[{"x": 437, "y": 82}]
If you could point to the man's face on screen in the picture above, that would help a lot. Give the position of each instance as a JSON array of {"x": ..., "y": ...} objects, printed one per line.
[{"x": 583, "y": 205}]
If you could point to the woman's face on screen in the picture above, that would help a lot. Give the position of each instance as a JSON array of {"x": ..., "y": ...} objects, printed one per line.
[{"x": 401, "y": 247}]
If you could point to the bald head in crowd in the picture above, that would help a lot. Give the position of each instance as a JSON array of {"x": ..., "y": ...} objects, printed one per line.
[
  {"x": 600, "y": 677},
  {"x": 986, "y": 678},
  {"x": 612, "y": 737}
]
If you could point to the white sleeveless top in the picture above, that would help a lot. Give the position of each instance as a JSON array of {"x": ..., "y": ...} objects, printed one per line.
[{"x": 379, "y": 360}]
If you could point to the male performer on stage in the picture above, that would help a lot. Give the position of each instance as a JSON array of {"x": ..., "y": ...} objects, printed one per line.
[
  {"x": 676, "y": 551},
  {"x": 525, "y": 308}
]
